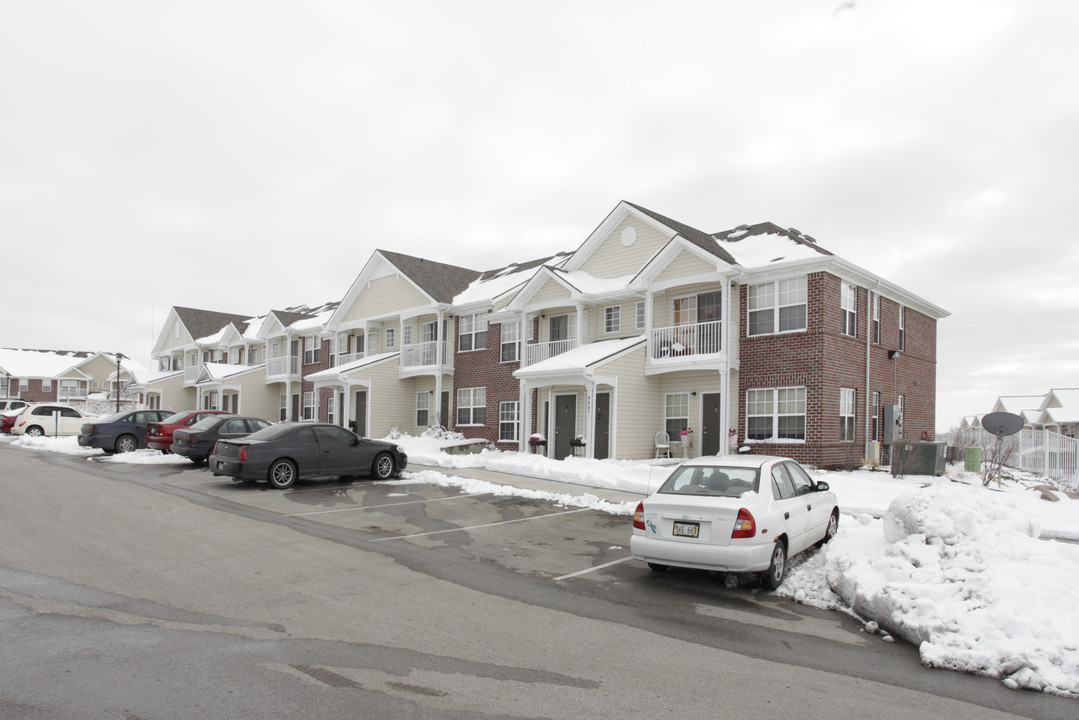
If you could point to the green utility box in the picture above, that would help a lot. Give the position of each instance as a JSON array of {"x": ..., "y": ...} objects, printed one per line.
[
  {"x": 972, "y": 459},
  {"x": 924, "y": 458}
]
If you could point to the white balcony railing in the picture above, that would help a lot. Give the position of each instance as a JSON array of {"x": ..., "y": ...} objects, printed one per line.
[
  {"x": 190, "y": 373},
  {"x": 283, "y": 367},
  {"x": 685, "y": 340},
  {"x": 349, "y": 357},
  {"x": 424, "y": 354},
  {"x": 538, "y": 352}
]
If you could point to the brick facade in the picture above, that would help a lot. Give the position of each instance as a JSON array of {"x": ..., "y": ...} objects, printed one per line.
[{"x": 484, "y": 368}]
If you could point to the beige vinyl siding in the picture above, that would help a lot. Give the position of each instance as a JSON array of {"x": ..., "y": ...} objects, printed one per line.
[
  {"x": 692, "y": 382},
  {"x": 391, "y": 402},
  {"x": 633, "y": 426},
  {"x": 551, "y": 292},
  {"x": 613, "y": 259},
  {"x": 545, "y": 322},
  {"x": 176, "y": 343},
  {"x": 256, "y": 397},
  {"x": 663, "y": 303},
  {"x": 98, "y": 368},
  {"x": 686, "y": 264},
  {"x": 174, "y": 396},
  {"x": 598, "y": 320},
  {"x": 384, "y": 296}
]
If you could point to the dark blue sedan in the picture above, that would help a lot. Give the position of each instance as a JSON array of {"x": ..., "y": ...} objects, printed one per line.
[
  {"x": 120, "y": 432},
  {"x": 283, "y": 453},
  {"x": 197, "y": 442}
]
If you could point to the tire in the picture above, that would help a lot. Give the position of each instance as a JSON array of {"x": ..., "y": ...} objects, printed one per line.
[
  {"x": 126, "y": 443},
  {"x": 34, "y": 431},
  {"x": 657, "y": 567},
  {"x": 282, "y": 474},
  {"x": 383, "y": 467},
  {"x": 832, "y": 529},
  {"x": 777, "y": 568}
]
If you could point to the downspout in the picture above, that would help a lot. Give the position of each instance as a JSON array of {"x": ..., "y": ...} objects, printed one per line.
[{"x": 868, "y": 344}]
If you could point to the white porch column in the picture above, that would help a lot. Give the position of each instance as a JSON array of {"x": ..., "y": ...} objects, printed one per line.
[{"x": 525, "y": 398}]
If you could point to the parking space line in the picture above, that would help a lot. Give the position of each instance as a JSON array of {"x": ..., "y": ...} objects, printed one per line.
[
  {"x": 386, "y": 505},
  {"x": 478, "y": 527},
  {"x": 593, "y": 569}
]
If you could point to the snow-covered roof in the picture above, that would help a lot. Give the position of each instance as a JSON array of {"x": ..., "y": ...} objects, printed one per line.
[
  {"x": 761, "y": 245},
  {"x": 589, "y": 284},
  {"x": 580, "y": 358},
  {"x": 1016, "y": 404},
  {"x": 43, "y": 363},
  {"x": 339, "y": 370},
  {"x": 1061, "y": 406}
]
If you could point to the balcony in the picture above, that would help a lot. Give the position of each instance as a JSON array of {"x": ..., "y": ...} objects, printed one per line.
[
  {"x": 349, "y": 357},
  {"x": 280, "y": 369},
  {"x": 538, "y": 352},
  {"x": 682, "y": 341},
  {"x": 425, "y": 354},
  {"x": 71, "y": 393},
  {"x": 190, "y": 373}
]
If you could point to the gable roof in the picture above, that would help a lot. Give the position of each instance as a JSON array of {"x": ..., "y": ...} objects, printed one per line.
[
  {"x": 1061, "y": 406},
  {"x": 770, "y": 244},
  {"x": 24, "y": 363},
  {"x": 206, "y": 323},
  {"x": 440, "y": 281},
  {"x": 701, "y": 239}
]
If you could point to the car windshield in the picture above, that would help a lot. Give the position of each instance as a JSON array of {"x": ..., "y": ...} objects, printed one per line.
[
  {"x": 208, "y": 422},
  {"x": 712, "y": 480},
  {"x": 273, "y": 432},
  {"x": 178, "y": 417}
]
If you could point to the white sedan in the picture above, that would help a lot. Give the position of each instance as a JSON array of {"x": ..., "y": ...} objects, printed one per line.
[
  {"x": 738, "y": 513},
  {"x": 48, "y": 419}
]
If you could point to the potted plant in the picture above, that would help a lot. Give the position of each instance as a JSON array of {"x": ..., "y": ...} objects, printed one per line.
[{"x": 686, "y": 434}]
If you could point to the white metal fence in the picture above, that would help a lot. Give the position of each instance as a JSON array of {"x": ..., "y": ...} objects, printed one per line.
[{"x": 1037, "y": 451}]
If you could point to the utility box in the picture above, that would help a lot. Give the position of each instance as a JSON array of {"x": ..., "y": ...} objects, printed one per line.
[
  {"x": 893, "y": 424},
  {"x": 924, "y": 458},
  {"x": 972, "y": 459}
]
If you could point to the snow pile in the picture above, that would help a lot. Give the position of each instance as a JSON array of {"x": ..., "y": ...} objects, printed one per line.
[{"x": 965, "y": 578}]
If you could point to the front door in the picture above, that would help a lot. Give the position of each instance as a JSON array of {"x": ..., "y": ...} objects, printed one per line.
[
  {"x": 602, "y": 442},
  {"x": 565, "y": 425},
  {"x": 710, "y": 440},
  {"x": 360, "y": 416},
  {"x": 444, "y": 410}
]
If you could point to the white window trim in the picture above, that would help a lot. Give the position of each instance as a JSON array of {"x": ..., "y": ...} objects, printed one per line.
[
  {"x": 309, "y": 406},
  {"x": 848, "y": 306},
  {"x": 776, "y": 306},
  {"x": 423, "y": 404},
  {"x": 641, "y": 315},
  {"x": 612, "y": 319},
  {"x": 477, "y": 325},
  {"x": 775, "y": 414},
  {"x": 511, "y": 330},
  {"x": 847, "y": 402},
  {"x": 876, "y": 319},
  {"x": 514, "y": 408},
  {"x": 474, "y": 404}
]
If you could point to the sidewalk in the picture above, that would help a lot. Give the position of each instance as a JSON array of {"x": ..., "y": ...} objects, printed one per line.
[{"x": 532, "y": 483}]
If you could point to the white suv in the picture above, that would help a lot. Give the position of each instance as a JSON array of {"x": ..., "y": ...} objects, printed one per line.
[
  {"x": 7, "y": 404},
  {"x": 48, "y": 419}
]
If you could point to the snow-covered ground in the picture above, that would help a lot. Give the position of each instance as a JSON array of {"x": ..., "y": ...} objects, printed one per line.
[{"x": 982, "y": 580}]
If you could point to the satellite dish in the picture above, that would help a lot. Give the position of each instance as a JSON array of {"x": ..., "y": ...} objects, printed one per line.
[{"x": 1002, "y": 423}]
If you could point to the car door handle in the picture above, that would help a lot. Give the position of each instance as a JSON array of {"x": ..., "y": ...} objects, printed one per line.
[
  {"x": 786, "y": 516},
  {"x": 809, "y": 507}
]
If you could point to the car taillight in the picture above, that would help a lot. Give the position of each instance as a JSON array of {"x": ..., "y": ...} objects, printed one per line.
[
  {"x": 744, "y": 525},
  {"x": 93, "y": 430},
  {"x": 638, "y": 516},
  {"x": 243, "y": 454},
  {"x": 190, "y": 440}
]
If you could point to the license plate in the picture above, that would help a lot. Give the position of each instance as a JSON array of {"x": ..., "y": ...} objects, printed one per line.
[
  {"x": 220, "y": 465},
  {"x": 687, "y": 529}
]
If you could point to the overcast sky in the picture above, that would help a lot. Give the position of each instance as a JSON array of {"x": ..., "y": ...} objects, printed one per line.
[{"x": 245, "y": 156}]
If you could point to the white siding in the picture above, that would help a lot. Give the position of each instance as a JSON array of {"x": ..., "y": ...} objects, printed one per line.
[
  {"x": 385, "y": 296},
  {"x": 613, "y": 259},
  {"x": 633, "y": 426}
]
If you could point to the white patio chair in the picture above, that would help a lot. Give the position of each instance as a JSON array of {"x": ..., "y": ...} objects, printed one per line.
[{"x": 663, "y": 444}]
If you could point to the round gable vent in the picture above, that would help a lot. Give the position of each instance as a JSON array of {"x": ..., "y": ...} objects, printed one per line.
[{"x": 629, "y": 236}]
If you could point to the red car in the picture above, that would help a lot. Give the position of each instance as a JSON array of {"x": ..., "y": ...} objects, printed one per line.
[
  {"x": 159, "y": 434},
  {"x": 7, "y": 421}
]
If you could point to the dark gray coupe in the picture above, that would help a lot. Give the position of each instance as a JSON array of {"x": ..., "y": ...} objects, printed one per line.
[{"x": 284, "y": 453}]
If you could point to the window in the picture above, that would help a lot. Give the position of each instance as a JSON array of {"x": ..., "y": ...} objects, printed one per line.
[
  {"x": 471, "y": 406},
  {"x": 640, "y": 315},
  {"x": 848, "y": 303},
  {"x": 510, "y": 346},
  {"x": 902, "y": 334},
  {"x": 780, "y": 304},
  {"x": 676, "y": 414},
  {"x": 283, "y": 414},
  {"x": 873, "y": 416},
  {"x": 473, "y": 332},
  {"x": 312, "y": 350},
  {"x": 46, "y": 385},
  {"x": 253, "y": 355},
  {"x": 685, "y": 310},
  {"x": 876, "y": 319},
  {"x": 508, "y": 421},
  {"x": 776, "y": 414},
  {"x": 846, "y": 414},
  {"x": 423, "y": 409},
  {"x": 406, "y": 335},
  {"x": 391, "y": 337},
  {"x": 612, "y": 319},
  {"x": 331, "y": 408}
]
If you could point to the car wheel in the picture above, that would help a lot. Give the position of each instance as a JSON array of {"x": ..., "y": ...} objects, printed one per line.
[
  {"x": 34, "y": 431},
  {"x": 383, "y": 467},
  {"x": 832, "y": 529},
  {"x": 282, "y": 474},
  {"x": 777, "y": 569},
  {"x": 657, "y": 567},
  {"x": 126, "y": 443}
]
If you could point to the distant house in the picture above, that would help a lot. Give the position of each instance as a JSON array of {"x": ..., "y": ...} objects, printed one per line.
[
  {"x": 64, "y": 375},
  {"x": 1059, "y": 411}
]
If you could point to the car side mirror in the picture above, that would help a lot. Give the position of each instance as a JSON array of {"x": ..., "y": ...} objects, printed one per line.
[
  {"x": 355, "y": 441},
  {"x": 822, "y": 486}
]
